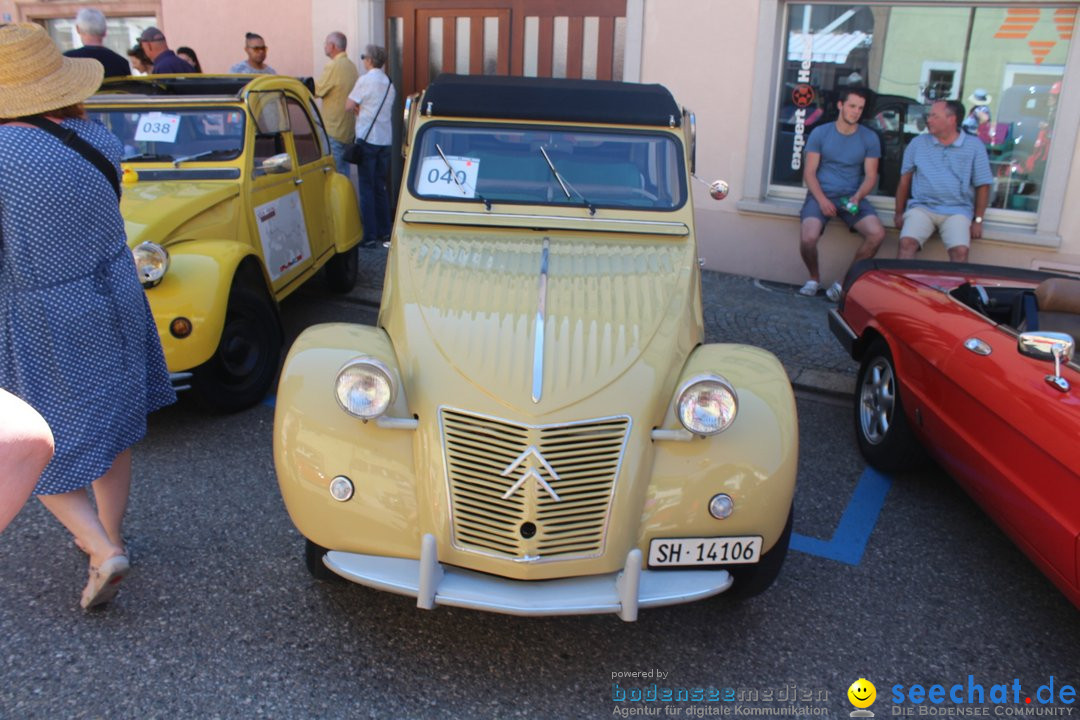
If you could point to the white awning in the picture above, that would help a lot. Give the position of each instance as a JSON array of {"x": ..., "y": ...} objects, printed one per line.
[{"x": 827, "y": 47}]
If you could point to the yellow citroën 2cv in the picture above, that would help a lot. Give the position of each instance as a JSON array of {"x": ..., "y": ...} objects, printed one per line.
[{"x": 536, "y": 426}]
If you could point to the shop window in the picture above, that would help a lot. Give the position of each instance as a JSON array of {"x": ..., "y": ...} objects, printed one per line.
[
  {"x": 908, "y": 56},
  {"x": 120, "y": 32}
]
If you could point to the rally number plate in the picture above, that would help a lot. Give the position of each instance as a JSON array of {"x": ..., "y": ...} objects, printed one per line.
[{"x": 679, "y": 552}]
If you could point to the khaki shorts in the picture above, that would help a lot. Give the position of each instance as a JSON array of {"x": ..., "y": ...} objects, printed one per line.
[{"x": 920, "y": 223}]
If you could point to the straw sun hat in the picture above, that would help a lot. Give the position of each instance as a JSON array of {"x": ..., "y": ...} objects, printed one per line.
[{"x": 36, "y": 78}]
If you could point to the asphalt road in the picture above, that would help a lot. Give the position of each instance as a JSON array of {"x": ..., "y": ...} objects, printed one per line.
[{"x": 899, "y": 580}]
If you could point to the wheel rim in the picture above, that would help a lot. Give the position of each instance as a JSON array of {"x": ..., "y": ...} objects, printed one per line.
[
  {"x": 877, "y": 401},
  {"x": 241, "y": 349}
]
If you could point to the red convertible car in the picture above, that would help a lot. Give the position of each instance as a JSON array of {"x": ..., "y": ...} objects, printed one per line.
[{"x": 973, "y": 364}]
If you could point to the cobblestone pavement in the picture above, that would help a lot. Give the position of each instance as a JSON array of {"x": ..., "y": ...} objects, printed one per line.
[{"x": 738, "y": 309}]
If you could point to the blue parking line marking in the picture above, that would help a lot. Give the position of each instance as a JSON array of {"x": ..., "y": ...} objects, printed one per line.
[
  {"x": 270, "y": 401},
  {"x": 857, "y": 522}
]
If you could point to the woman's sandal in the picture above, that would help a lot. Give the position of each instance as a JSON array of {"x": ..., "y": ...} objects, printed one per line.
[{"x": 104, "y": 581}]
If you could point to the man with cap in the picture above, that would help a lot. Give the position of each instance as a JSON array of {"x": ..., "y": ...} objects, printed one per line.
[
  {"x": 157, "y": 49},
  {"x": 90, "y": 24}
]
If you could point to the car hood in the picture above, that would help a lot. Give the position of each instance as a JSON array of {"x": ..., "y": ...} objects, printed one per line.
[
  {"x": 155, "y": 210},
  {"x": 471, "y": 300}
]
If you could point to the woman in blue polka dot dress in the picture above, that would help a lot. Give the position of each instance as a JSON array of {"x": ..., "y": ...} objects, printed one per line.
[{"x": 77, "y": 340}]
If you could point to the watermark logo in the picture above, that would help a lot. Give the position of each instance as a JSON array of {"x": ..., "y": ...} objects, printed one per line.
[{"x": 862, "y": 694}]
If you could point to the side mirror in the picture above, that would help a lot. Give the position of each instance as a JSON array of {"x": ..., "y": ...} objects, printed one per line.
[
  {"x": 718, "y": 189},
  {"x": 280, "y": 163},
  {"x": 1055, "y": 346}
]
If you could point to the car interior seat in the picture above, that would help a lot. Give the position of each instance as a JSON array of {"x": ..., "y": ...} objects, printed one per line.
[{"x": 1058, "y": 301}]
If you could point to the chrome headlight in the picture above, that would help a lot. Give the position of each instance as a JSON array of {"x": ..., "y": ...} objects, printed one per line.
[
  {"x": 364, "y": 388},
  {"x": 151, "y": 262},
  {"x": 707, "y": 404}
]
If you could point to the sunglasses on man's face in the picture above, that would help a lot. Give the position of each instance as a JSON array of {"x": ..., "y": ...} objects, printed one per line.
[{"x": 256, "y": 47}]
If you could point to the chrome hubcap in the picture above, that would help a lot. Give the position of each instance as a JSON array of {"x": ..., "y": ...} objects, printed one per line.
[{"x": 877, "y": 399}]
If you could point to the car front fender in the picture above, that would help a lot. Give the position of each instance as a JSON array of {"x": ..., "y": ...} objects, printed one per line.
[
  {"x": 196, "y": 287},
  {"x": 754, "y": 461},
  {"x": 315, "y": 440}
]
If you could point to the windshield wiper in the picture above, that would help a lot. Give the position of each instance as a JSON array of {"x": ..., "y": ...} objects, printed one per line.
[
  {"x": 196, "y": 156},
  {"x": 149, "y": 157},
  {"x": 563, "y": 184},
  {"x": 453, "y": 176}
]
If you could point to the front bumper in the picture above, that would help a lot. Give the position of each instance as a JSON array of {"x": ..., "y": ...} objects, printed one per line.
[
  {"x": 433, "y": 583},
  {"x": 180, "y": 380}
]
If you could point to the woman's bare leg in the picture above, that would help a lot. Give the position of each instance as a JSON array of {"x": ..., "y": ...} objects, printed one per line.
[
  {"x": 26, "y": 446},
  {"x": 111, "y": 492}
]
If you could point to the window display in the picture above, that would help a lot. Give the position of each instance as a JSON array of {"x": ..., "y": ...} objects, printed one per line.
[{"x": 1004, "y": 64}]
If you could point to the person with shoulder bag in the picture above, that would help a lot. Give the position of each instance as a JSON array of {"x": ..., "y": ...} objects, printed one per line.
[
  {"x": 371, "y": 101},
  {"x": 81, "y": 346}
]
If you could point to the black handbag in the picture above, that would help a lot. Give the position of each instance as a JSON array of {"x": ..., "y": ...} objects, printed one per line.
[{"x": 354, "y": 153}]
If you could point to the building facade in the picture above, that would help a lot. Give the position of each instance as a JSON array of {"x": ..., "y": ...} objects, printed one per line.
[{"x": 759, "y": 74}]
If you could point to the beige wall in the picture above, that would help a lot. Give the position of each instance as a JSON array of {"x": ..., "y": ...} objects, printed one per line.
[
  {"x": 707, "y": 53},
  {"x": 215, "y": 30}
]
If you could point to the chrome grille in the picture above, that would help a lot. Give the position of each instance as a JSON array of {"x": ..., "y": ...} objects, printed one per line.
[{"x": 496, "y": 470}]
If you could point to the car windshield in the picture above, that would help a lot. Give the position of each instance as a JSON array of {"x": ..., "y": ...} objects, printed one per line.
[
  {"x": 176, "y": 135},
  {"x": 640, "y": 170}
]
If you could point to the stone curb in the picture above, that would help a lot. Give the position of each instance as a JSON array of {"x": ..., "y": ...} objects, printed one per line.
[{"x": 822, "y": 381}]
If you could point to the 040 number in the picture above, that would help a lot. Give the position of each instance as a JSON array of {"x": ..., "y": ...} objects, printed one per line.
[{"x": 435, "y": 176}]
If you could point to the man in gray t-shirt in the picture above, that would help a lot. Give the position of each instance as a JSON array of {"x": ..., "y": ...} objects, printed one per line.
[{"x": 840, "y": 169}]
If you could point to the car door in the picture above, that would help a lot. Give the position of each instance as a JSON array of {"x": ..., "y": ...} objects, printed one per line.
[
  {"x": 280, "y": 230},
  {"x": 1016, "y": 446},
  {"x": 314, "y": 164}
]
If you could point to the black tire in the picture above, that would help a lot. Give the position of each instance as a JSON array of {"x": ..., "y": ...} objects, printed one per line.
[
  {"x": 242, "y": 369},
  {"x": 752, "y": 580},
  {"x": 313, "y": 559},
  {"x": 881, "y": 426},
  {"x": 342, "y": 271}
]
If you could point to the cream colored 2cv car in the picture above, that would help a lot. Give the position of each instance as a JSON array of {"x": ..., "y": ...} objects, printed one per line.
[{"x": 536, "y": 426}]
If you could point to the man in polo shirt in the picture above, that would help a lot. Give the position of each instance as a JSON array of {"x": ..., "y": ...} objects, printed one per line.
[
  {"x": 157, "y": 49},
  {"x": 946, "y": 174},
  {"x": 333, "y": 86}
]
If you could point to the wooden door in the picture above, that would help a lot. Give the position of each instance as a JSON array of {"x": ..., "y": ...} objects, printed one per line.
[{"x": 540, "y": 38}]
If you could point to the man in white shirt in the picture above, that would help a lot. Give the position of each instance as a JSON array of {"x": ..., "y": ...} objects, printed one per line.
[{"x": 372, "y": 100}]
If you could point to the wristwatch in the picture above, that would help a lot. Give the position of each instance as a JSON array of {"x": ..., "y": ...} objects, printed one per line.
[{"x": 978, "y": 220}]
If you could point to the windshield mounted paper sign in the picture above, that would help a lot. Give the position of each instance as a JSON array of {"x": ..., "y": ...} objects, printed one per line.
[
  {"x": 436, "y": 179},
  {"x": 157, "y": 126}
]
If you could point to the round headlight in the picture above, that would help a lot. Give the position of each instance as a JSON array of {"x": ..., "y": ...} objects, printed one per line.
[
  {"x": 151, "y": 262},
  {"x": 364, "y": 389},
  {"x": 707, "y": 405}
]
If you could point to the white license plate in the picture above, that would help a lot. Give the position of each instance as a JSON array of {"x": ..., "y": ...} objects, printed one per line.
[{"x": 679, "y": 552}]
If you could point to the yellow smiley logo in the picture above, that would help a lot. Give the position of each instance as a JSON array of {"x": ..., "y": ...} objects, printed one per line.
[{"x": 862, "y": 693}]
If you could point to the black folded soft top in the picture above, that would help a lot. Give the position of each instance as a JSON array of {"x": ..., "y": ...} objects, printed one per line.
[{"x": 550, "y": 99}]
